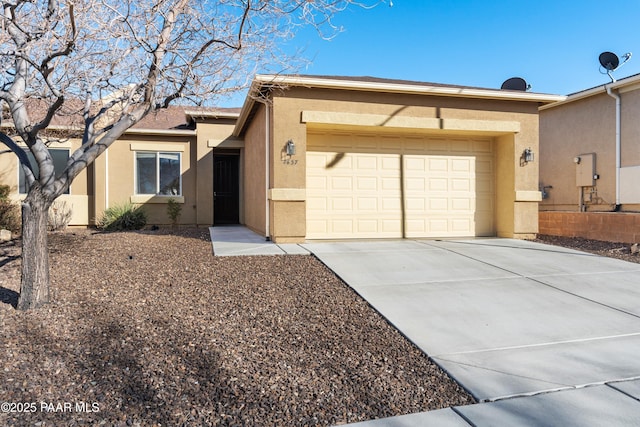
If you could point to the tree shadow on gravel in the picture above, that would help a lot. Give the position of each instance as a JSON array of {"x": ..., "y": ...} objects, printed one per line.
[
  {"x": 8, "y": 259},
  {"x": 134, "y": 379},
  {"x": 8, "y": 296}
]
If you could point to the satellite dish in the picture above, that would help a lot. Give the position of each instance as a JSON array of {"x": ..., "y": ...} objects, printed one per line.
[
  {"x": 515, "y": 83},
  {"x": 609, "y": 60}
]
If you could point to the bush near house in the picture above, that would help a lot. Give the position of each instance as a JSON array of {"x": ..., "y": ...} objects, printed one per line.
[
  {"x": 9, "y": 211},
  {"x": 59, "y": 216},
  {"x": 122, "y": 217},
  {"x": 174, "y": 210}
]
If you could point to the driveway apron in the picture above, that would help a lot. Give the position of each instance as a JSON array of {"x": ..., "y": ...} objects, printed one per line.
[{"x": 506, "y": 318}]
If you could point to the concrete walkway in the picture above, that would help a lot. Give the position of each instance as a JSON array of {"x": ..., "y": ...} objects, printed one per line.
[
  {"x": 541, "y": 335},
  {"x": 237, "y": 240}
]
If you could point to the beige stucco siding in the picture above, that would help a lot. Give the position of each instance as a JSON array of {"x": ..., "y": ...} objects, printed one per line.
[
  {"x": 255, "y": 187},
  {"x": 630, "y": 128},
  {"x": 568, "y": 130},
  {"x": 514, "y": 124},
  {"x": 115, "y": 177},
  {"x": 210, "y": 137},
  {"x": 79, "y": 198}
]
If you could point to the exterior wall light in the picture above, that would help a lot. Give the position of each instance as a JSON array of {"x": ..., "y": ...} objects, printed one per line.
[
  {"x": 290, "y": 148},
  {"x": 527, "y": 155}
]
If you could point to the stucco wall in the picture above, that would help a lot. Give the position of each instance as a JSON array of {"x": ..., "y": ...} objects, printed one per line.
[
  {"x": 80, "y": 196},
  {"x": 516, "y": 217},
  {"x": 630, "y": 128},
  {"x": 211, "y": 135},
  {"x": 588, "y": 126},
  {"x": 255, "y": 187},
  {"x": 115, "y": 177}
]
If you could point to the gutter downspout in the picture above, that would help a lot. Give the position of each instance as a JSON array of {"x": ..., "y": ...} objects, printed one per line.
[
  {"x": 266, "y": 166},
  {"x": 616, "y": 96},
  {"x": 106, "y": 180}
]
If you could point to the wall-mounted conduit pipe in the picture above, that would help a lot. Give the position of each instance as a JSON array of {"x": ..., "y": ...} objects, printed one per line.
[{"x": 616, "y": 96}]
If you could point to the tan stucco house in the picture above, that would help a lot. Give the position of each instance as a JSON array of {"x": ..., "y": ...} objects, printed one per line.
[
  {"x": 590, "y": 163},
  {"x": 311, "y": 157}
]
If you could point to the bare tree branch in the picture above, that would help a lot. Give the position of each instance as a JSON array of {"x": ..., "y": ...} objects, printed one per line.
[
  {"x": 103, "y": 65},
  {"x": 18, "y": 151}
]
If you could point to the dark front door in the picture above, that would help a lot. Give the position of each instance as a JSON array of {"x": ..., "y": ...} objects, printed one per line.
[{"x": 226, "y": 189}]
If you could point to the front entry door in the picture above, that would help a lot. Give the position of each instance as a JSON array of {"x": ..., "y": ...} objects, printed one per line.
[{"x": 226, "y": 189}]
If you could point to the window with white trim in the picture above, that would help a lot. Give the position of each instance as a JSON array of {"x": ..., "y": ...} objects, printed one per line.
[
  {"x": 158, "y": 173},
  {"x": 58, "y": 155}
]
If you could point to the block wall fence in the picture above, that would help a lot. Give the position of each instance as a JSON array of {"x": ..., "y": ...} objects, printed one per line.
[{"x": 623, "y": 227}]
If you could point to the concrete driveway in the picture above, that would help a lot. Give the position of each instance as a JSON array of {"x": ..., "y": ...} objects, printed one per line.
[{"x": 509, "y": 319}]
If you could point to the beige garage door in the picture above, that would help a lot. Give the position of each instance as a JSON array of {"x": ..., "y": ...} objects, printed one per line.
[{"x": 364, "y": 186}]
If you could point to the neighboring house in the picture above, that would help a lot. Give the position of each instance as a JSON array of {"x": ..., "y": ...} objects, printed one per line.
[
  {"x": 590, "y": 163},
  {"x": 156, "y": 160},
  {"x": 311, "y": 157}
]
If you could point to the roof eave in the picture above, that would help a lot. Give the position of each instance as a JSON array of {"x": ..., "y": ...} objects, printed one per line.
[
  {"x": 211, "y": 115},
  {"x": 161, "y": 132},
  {"x": 617, "y": 85},
  {"x": 247, "y": 106},
  {"x": 425, "y": 89},
  {"x": 134, "y": 131},
  {"x": 403, "y": 88}
]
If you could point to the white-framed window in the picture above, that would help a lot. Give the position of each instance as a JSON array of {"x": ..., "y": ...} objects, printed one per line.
[
  {"x": 60, "y": 156},
  {"x": 158, "y": 173}
]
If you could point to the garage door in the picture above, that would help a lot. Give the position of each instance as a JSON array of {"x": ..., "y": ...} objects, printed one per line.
[{"x": 365, "y": 186}]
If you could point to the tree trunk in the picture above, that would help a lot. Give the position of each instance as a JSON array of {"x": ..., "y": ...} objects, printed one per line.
[{"x": 34, "y": 288}]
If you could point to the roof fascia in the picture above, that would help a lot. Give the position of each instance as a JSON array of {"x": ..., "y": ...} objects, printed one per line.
[
  {"x": 161, "y": 132},
  {"x": 135, "y": 131},
  {"x": 262, "y": 80},
  {"x": 465, "y": 92},
  {"x": 617, "y": 85},
  {"x": 210, "y": 115},
  {"x": 247, "y": 106}
]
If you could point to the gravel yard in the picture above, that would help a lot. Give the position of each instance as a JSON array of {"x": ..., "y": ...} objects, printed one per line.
[
  {"x": 150, "y": 329},
  {"x": 621, "y": 251}
]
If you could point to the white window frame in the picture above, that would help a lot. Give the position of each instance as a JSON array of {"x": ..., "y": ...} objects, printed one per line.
[{"x": 157, "y": 158}]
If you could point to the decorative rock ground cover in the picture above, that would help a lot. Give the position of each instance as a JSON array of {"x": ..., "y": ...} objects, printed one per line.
[{"x": 149, "y": 328}]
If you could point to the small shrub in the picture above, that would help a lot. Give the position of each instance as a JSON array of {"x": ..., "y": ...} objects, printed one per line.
[
  {"x": 59, "y": 216},
  {"x": 174, "y": 210},
  {"x": 10, "y": 217},
  {"x": 123, "y": 217},
  {"x": 4, "y": 192}
]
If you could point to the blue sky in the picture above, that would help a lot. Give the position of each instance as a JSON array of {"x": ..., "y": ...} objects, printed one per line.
[{"x": 553, "y": 45}]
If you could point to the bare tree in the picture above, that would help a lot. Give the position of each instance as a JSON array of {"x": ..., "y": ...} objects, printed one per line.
[{"x": 110, "y": 63}]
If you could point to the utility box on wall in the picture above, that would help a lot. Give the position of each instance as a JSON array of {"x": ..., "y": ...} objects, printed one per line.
[{"x": 585, "y": 169}]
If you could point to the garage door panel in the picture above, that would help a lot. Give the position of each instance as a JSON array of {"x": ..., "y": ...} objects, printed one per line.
[
  {"x": 368, "y": 204},
  {"x": 460, "y": 185},
  {"x": 317, "y": 183},
  {"x": 415, "y": 204},
  {"x": 367, "y": 163},
  {"x": 342, "y": 204},
  {"x": 462, "y": 165},
  {"x": 462, "y": 205},
  {"x": 415, "y": 184},
  {"x": 388, "y": 187},
  {"x": 366, "y": 183},
  {"x": 436, "y": 164},
  {"x": 341, "y": 183},
  {"x": 461, "y": 225},
  {"x": 438, "y": 184}
]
